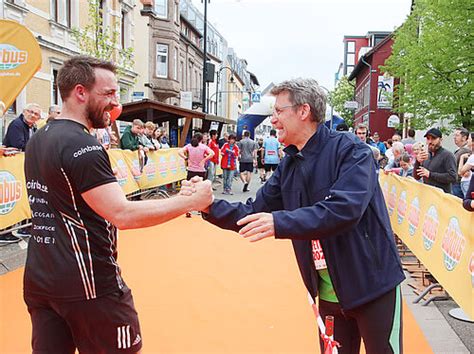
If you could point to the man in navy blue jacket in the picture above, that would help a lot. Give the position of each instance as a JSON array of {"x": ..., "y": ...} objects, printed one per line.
[
  {"x": 22, "y": 128},
  {"x": 325, "y": 197}
]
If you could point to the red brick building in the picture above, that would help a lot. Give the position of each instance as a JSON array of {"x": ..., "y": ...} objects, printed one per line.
[{"x": 374, "y": 90}]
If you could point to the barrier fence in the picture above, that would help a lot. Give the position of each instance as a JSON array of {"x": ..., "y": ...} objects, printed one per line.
[
  {"x": 433, "y": 224},
  {"x": 162, "y": 167},
  {"x": 439, "y": 232}
]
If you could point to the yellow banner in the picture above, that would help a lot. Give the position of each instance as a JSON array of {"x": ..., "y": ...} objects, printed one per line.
[
  {"x": 122, "y": 171},
  {"x": 163, "y": 167},
  {"x": 20, "y": 59},
  {"x": 438, "y": 230},
  {"x": 14, "y": 205}
]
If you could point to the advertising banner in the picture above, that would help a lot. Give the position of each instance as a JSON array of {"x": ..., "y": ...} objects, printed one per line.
[
  {"x": 162, "y": 167},
  {"x": 14, "y": 205},
  {"x": 20, "y": 59},
  {"x": 438, "y": 230},
  {"x": 384, "y": 92},
  {"x": 156, "y": 169},
  {"x": 122, "y": 171}
]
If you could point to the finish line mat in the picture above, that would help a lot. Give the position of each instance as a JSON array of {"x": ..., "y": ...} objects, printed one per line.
[{"x": 199, "y": 289}]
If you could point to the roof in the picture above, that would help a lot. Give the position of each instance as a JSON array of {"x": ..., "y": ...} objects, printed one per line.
[
  {"x": 253, "y": 78},
  {"x": 360, "y": 63},
  {"x": 151, "y": 110}
]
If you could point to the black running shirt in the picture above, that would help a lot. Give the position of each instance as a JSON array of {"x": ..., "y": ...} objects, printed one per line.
[{"x": 72, "y": 254}]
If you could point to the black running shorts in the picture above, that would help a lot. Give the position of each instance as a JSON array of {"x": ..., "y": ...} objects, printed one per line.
[{"x": 108, "y": 324}]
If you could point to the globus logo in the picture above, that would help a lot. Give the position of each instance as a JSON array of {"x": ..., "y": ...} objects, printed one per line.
[
  {"x": 430, "y": 227},
  {"x": 173, "y": 164},
  {"x": 163, "y": 167},
  {"x": 11, "y": 57},
  {"x": 10, "y": 192},
  {"x": 150, "y": 169},
  {"x": 414, "y": 216},
  {"x": 121, "y": 172},
  {"x": 453, "y": 244},
  {"x": 402, "y": 207},
  {"x": 136, "y": 172},
  {"x": 392, "y": 200}
]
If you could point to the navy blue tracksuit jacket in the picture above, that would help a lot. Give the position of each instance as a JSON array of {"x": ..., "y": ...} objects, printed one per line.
[{"x": 329, "y": 191}]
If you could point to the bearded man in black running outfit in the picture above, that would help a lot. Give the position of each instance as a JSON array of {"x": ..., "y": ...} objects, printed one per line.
[{"x": 73, "y": 286}]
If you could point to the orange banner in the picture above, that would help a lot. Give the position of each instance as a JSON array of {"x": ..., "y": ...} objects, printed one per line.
[{"x": 20, "y": 59}]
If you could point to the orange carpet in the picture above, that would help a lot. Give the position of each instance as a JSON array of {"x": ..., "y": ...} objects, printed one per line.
[{"x": 199, "y": 289}]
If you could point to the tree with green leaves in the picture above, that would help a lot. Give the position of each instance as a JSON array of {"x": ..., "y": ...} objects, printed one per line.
[
  {"x": 103, "y": 42},
  {"x": 433, "y": 55},
  {"x": 342, "y": 93}
]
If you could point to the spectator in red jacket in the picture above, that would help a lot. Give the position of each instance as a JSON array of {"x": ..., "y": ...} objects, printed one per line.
[
  {"x": 214, "y": 146},
  {"x": 229, "y": 152}
]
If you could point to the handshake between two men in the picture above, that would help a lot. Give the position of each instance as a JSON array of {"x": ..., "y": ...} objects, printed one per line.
[{"x": 254, "y": 226}]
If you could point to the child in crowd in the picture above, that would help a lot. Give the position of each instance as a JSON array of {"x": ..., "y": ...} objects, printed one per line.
[{"x": 406, "y": 166}]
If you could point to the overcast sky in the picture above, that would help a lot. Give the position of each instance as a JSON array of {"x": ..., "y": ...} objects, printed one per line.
[{"x": 282, "y": 39}]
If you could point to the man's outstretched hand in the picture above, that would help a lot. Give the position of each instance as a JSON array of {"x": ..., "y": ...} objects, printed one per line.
[
  {"x": 257, "y": 226},
  {"x": 199, "y": 191}
]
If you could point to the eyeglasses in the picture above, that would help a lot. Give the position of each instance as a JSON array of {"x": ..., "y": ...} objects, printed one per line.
[
  {"x": 279, "y": 110},
  {"x": 35, "y": 113}
]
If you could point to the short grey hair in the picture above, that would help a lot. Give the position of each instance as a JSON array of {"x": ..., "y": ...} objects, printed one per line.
[
  {"x": 398, "y": 146},
  {"x": 138, "y": 123},
  {"x": 303, "y": 91},
  {"x": 54, "y": 108},
  {"x": 32, "y": 105}
]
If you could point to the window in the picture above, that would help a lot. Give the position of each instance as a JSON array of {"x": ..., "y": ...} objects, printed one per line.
[
  {"x": 175, "y": 64},
  {"x": 122, "y": 29},
  {"x": 13, "y": 108},
  {"x": 351, "y": 47},
  {"x": 55, "y": 99},
  {"x": 61, "y": 12},
  {"x": 183, "y": 80},
  {"x": 351, "y": 59},
  {"x": 161, "y": 8},
  {"x": 176, "y": 12},
  {"x": 162, "y": 60}
]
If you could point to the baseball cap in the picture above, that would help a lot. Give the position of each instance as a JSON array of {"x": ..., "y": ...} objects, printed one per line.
[{"x": 434, "y": 132}]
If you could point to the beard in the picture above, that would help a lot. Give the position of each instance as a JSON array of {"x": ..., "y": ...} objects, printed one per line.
[
  {"x": 96, "y": 115},
  {"x": 434, "y": 147}
]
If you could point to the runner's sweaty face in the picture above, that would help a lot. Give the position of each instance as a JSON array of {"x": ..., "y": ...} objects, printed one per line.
[{"x": 102, "y": 98}]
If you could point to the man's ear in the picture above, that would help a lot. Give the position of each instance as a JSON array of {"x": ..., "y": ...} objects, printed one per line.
[
  {"x": 305, "y": 111},
  {"x": 80, "y": 93}
]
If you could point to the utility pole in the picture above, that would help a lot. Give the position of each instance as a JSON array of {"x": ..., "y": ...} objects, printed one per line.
[{"x": 204, "y": 66}]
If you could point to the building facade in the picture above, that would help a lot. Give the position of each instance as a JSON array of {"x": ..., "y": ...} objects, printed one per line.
[
  {"x": 356, "y": 46},
  {"x": 374, "y": 91},
  {"x": 52, "y": 23}
]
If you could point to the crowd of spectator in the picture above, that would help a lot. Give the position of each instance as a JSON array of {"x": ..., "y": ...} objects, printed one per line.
[{"x": 426, "y": 161}]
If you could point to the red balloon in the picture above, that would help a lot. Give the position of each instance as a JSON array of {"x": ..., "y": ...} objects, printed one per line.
[{"x": 115, "y": 113}]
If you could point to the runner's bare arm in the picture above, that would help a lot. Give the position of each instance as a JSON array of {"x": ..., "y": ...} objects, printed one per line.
[{"x": 109, "y": 202}]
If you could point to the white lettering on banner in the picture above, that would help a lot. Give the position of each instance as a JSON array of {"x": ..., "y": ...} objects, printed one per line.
[
  {"x": 87, "y": 149},
  {"x": 318, "y": 255}
]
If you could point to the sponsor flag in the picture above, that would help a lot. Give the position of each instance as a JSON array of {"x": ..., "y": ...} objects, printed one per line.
[{"x": 20, "y": 59}]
